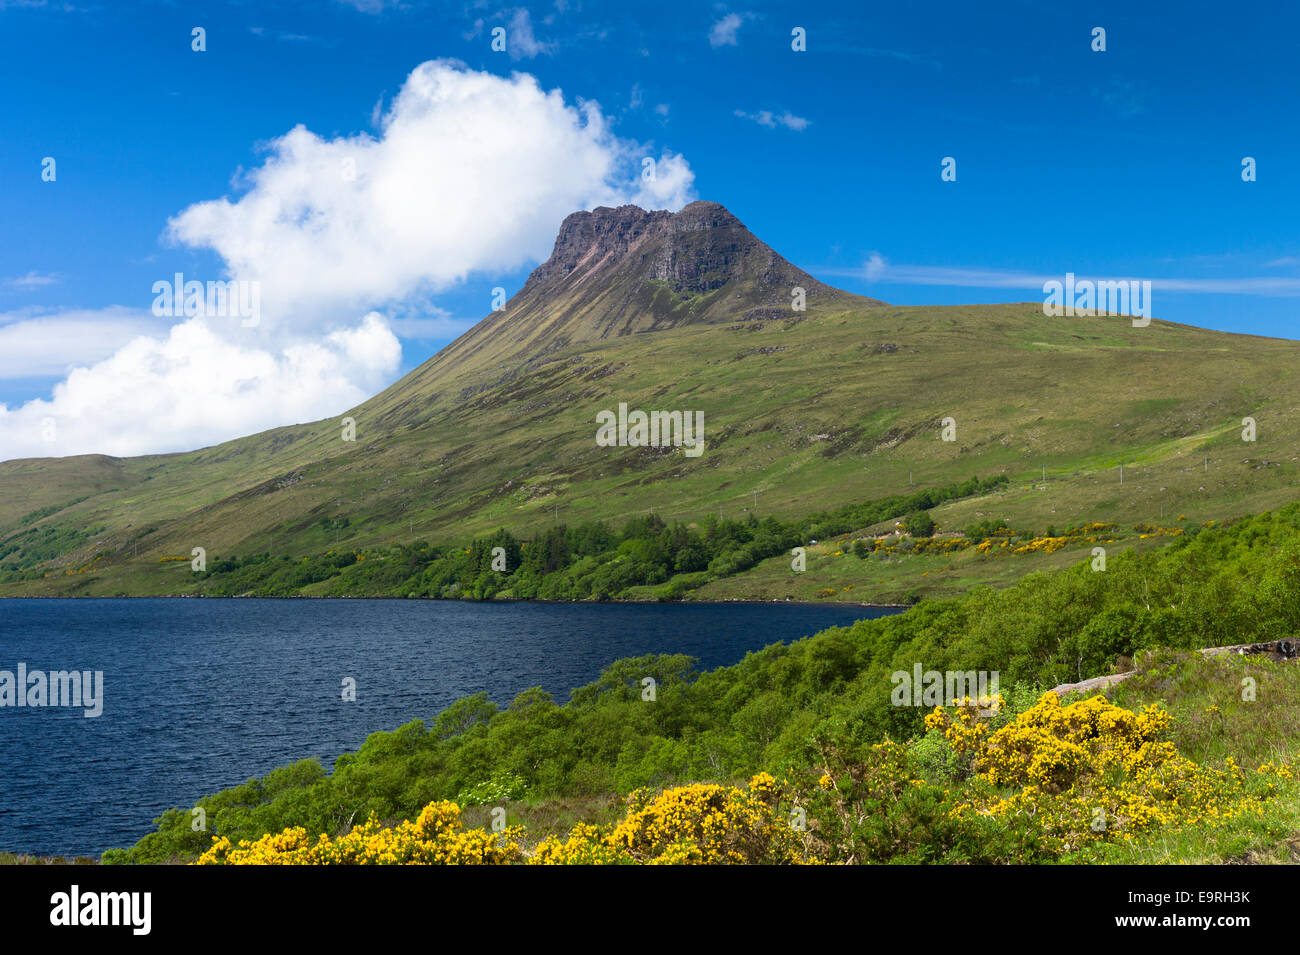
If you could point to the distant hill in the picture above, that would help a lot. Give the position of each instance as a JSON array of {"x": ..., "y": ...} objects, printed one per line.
[{"x": 803, "y": 410}]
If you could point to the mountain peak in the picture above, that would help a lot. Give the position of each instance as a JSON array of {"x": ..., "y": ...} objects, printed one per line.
[
  {"x": 593, "y": 238},
  {"x": 625, "y": 270},
  {"x": 694, "y": 251},
  {"x": 627, "y": 223}
]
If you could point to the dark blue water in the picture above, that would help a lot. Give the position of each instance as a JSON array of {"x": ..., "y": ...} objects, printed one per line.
[{"x": 200, "y": 695}]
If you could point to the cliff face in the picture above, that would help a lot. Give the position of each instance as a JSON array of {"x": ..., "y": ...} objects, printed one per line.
[
  {"x": 695, "y": 251},
  {"x": 627, "y": 270}
]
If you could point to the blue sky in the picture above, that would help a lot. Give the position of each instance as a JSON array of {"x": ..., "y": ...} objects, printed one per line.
[{"x": 1122, "y": 163}]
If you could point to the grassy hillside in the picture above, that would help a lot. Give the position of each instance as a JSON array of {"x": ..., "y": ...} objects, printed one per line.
[
  {"x": 803, "y": 411},
  {"x": 798, "y": 416}
]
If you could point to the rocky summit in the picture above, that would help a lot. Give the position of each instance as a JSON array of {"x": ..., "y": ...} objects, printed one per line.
[{"x": 622, "y": 271}]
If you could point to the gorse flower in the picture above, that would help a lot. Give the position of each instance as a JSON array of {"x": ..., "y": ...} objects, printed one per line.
[
  {"x": 435, "y": 838},
  {"x": 1093, "y": 771},
  {"x": 703, "y": 823}
]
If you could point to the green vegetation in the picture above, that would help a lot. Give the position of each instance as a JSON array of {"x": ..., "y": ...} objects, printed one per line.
[
  {"x": 782, "y": 708},
  {"x": 10, "y": 858},
  {"x": 24, "y": 553},
  {"x": 919, "y": 524},
  {"x": 589, "y": 562}
]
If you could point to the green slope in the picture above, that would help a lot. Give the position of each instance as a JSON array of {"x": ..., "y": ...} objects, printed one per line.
[{"x": 802, "y": 411}]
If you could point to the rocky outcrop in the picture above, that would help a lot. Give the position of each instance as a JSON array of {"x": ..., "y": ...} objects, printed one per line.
[
  {"x": 695, "y": 251},
  {"x": 1277, "y": 650},
  {"x": 623, "y": 271}
]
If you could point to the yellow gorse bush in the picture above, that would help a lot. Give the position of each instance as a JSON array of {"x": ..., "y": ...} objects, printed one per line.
[
  {"x": 1091, "y": 770},
  {"x": 704, "y": 823},
  {"x": 700, "y": 824},
  {"x": 707, "y": 823},
  {"x": 435, "y": 838}
]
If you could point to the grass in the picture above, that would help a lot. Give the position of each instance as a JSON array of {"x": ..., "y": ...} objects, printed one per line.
[
  {"x": 10, "y": 858},
  {"x": 550, "y": 817},
  {"x": 1212, "y": 723},
  {"x": 898, "y": 579}
]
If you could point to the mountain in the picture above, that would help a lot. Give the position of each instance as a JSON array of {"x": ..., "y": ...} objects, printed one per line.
[
  {"x": 689, "y": 311},
  {"x": 625, "y": 271}
]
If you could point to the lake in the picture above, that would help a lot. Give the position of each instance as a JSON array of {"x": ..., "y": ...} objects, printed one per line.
[{"x": 201, "y": 694}]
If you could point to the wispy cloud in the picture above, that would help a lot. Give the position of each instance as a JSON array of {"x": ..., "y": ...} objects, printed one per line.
[
  {"x": 30, "y": 281},
  {"x": 283, "y": 35},
  {"x": 902, "y": 56},
  {"x": 431, "y": 327},
  {"x": 1126, "y": 97},
  {"x": 521, "y": 42},
  {"x": 37, "y": 344},
  {"x": 726, "y": 32},
  {"x": 372, "y": 6},
  {"x": 877, "y": 269},
  {"x": 765, "y": 117},
  {"x": 37, "y": 5}
]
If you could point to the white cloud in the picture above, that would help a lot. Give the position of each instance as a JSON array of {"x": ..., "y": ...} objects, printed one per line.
[
  {"x": 470, "y": 173},
  {"x": 875, "y": 266},
  {"x": 195, "y": 387},
  {"x": 725, "y": 31},
  {"x": 36, "y": 344},
  {"x": 771, "y": 120}
]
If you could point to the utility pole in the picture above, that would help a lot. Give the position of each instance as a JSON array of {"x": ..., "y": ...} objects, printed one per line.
[
  {"x": 755, "y": 500},
  {"x": 1121, "y": 474}
]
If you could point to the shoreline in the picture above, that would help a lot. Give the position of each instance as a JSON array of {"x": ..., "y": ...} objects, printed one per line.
[{"x": 566, "y": 603}]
